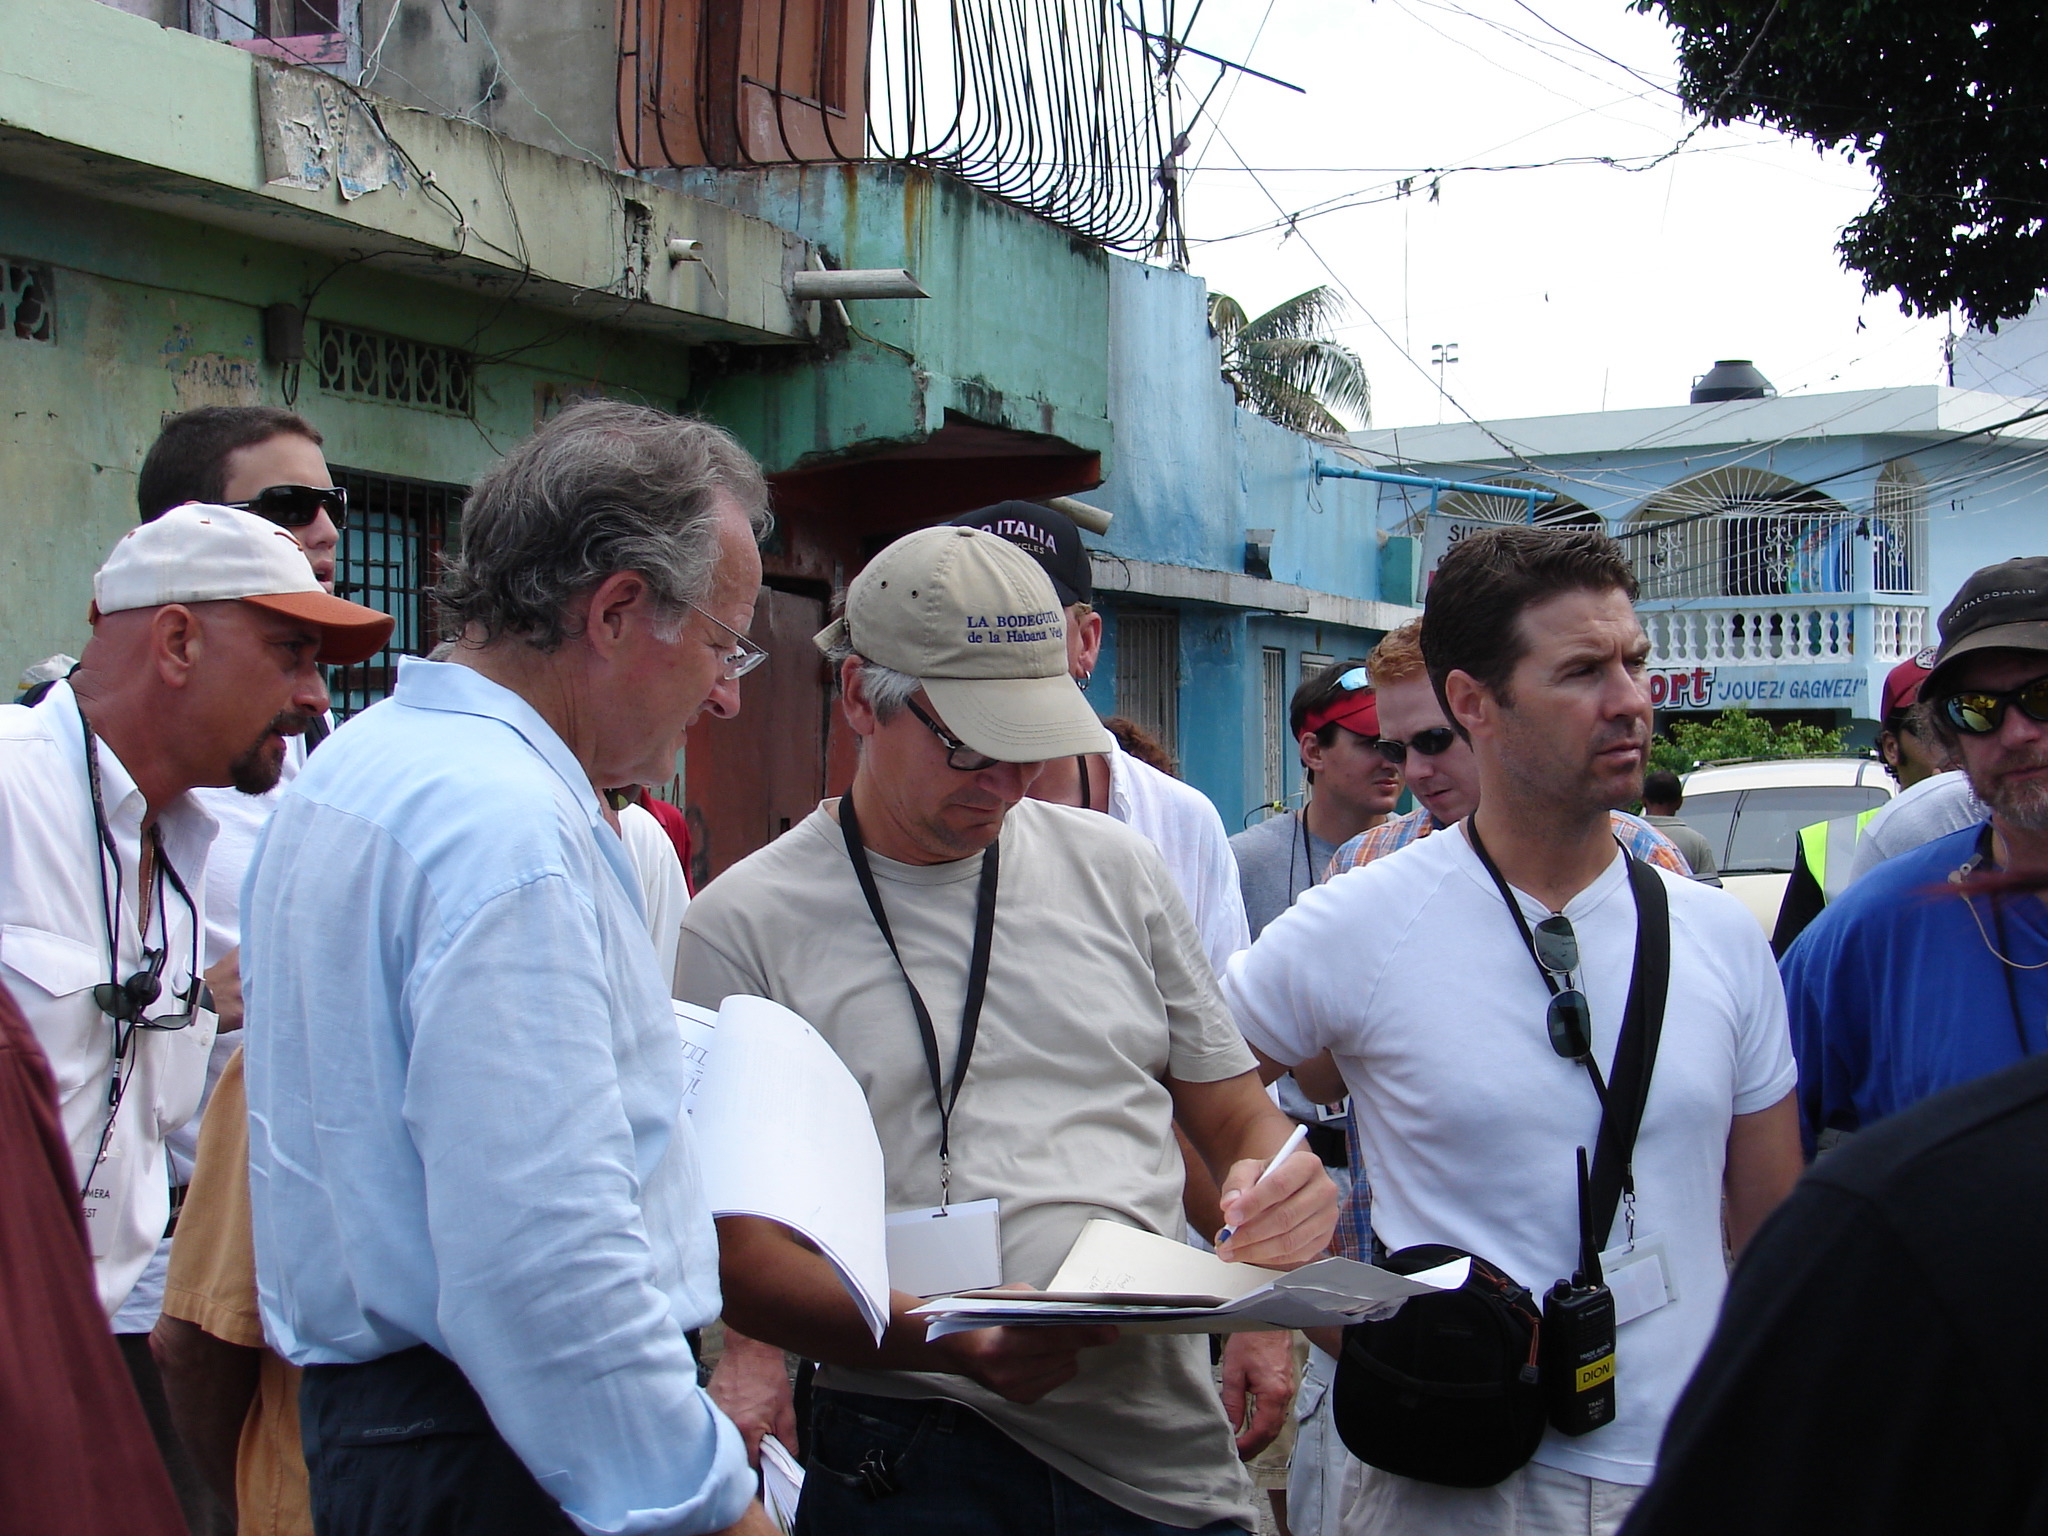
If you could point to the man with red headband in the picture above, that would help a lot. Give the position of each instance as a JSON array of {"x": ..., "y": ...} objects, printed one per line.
[{"x": 1350, "y": 789}]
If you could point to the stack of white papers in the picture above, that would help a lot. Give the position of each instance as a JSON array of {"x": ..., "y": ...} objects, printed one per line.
[
  {"x": 782, "y": 1483},
  {"x": 783, "y": 1131},
  {"x": 1145, "y": 1283}
]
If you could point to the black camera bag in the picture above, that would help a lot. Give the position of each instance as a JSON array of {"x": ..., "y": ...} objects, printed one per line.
[{"x": 1446, "y": 1389}]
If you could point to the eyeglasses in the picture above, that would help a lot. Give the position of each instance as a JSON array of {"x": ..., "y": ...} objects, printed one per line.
[
  {"x": 1429, "y": 743},
  {"x": 123, "y": 1003},
  {"x": 960, "y": 757},
  {"x": 1569, "y": 1018},
  {"x": 1981, "y": 711},
  {"x": 744, "y": 655},
  {"x": 1355, "y": 679},
  {"x": 296, "y": 506}
]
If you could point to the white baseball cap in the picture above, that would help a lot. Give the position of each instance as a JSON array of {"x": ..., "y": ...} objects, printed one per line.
[
  {"x": 203, "y": 554},
  {"x": 977, "y": 621}
]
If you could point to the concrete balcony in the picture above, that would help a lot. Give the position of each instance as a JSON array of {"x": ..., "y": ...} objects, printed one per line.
[{"x": 1825, "y": 631}]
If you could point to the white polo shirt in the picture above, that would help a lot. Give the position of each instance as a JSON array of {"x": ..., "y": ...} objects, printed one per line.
[{"x": 53, "y": 951}]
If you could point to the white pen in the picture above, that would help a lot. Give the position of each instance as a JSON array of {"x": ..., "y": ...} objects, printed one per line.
[{"x": 1287, "y": 1150}]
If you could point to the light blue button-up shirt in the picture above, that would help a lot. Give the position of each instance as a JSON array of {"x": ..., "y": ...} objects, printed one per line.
[{"x": 464, "y": 1078}]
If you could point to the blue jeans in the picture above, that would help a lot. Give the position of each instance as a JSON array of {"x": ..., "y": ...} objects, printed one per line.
[{"x": 888, "y": 1466}]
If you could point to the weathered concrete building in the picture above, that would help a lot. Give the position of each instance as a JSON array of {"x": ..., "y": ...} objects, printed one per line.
[
  {"x": 1791, "y": 549},
  {"x": 427, "y": 228}
]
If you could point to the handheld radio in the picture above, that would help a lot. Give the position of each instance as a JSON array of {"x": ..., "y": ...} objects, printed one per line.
[{"x": 1578, "y": 1335}]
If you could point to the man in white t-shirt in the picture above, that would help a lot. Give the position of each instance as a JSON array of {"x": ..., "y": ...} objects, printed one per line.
[
  {"x": 1468, "y": 1115},
  {"x": 1019, "y": 991}
]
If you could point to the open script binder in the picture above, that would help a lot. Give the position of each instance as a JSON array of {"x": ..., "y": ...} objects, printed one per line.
[
  {"x": 758, "y": 1067},
  {"x": 1145, "y": 1283}
]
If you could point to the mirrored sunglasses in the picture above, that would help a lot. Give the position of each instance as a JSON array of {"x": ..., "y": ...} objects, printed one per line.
[{"x": 1980, "y": 711}]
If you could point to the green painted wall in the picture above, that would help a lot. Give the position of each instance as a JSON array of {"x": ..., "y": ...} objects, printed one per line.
[
  {"x": 156, "y": 314},
  {"x": 1015, "y": 333}
]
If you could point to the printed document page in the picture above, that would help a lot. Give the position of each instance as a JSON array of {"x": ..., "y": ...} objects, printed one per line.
[{"x": 783, "y": 1131}]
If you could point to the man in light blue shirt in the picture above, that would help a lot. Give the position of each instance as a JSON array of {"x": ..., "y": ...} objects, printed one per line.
[{"x": 478, "y": 1215}]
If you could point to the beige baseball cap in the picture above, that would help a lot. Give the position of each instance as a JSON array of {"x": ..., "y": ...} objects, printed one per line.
[
  {"x": 975, "y": 619},
  {"x": 204, "y": 554}
]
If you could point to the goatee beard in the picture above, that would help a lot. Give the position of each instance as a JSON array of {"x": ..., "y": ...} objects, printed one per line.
[{"x": 255, "y": 772}]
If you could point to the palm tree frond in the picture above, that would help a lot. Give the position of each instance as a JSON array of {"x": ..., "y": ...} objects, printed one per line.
[
  {"x": 1282, "y": 366},
  {"x": 1306, "y": 314}
]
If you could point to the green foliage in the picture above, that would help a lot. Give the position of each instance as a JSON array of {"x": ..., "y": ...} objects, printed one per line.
[
  {"x": 1282, "y": 366},
  {"x": 1736, "y": 733},
  {"x": 1947, "y": 103}
]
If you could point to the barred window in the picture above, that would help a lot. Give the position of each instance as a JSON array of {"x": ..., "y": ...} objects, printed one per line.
[
  {"x": 370, "y": 366},
  {"x": 1148, "y": 672},
  {"x": 1273, "y": 698},
  {"x": 390, "y": 559}
]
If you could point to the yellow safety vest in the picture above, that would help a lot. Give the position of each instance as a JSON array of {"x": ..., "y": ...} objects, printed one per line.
[{"x": 1828, "y": 845}]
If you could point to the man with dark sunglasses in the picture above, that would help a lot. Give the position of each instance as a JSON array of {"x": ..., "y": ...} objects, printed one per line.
[
  {"x": 1472, "y": 989},
  {"x": 1908, "y": 983},
  {"x": 255, "y": 457}
]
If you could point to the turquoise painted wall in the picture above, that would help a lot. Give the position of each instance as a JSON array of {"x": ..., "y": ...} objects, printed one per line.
[{"x": 1015, "y": 333}]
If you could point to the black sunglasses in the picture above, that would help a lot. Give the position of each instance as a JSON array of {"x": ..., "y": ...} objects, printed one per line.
[
  {"x": 124, "y": 1002},
  {"x": 1980, "y": 711},
  {"x": 1429, "y": 743},
  {"x": 295, "y": 506},
  {"x": 960, "y": 757},
  {"x": 1569, "y": 1019}
]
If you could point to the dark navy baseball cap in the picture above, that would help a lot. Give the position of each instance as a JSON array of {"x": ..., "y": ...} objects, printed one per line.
[{"x": 1047, "y": 536}]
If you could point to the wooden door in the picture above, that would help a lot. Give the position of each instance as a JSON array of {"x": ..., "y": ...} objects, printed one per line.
[{"x": 750, "y": 779}]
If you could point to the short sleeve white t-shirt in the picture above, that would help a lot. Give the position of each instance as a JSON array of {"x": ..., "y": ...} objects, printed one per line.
[{"x": 1411, "y": 971}]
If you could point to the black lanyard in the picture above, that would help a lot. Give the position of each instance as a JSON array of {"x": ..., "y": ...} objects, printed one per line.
[
  {"x": 110, "y": 910},
  {"x": 1635, "y": 1053},
  {"x": 977, "y": 979}
]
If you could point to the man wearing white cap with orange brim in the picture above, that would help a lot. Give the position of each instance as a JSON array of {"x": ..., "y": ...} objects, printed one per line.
[
  {"x": 1020, "y": 990},
  {"x": 208, "y": 625}
]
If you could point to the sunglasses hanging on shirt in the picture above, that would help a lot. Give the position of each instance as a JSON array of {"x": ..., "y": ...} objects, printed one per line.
[{"x": 122, "y": 1001}]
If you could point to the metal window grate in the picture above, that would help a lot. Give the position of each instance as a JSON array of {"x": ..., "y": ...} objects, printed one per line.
[
  {"x": 390, "y": 558},
  {"x": 27, "y": 310},
  {"x": 374, "y": 367},
  {"x": 1274, "y": 701},
  {"x": 1148, "y": 673},
  {"x": 1314, "y": 664}
]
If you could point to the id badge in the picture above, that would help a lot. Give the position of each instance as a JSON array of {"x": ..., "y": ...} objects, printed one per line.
[
  {"x": 1639, "y": 1275},
  {"x": 943, "y": 1250}
]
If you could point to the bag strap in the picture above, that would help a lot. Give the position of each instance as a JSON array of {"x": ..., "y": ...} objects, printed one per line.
[{"x": 1635, "y": 1053}]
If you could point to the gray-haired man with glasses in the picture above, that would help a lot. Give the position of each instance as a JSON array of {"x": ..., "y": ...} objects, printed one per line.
[
  {"x": 479, "y": 1224},
  {"x": 1471, "y": 988}
]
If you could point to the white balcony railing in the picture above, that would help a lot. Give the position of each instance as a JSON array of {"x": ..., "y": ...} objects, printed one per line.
[{"x": 1735, "y": 632}]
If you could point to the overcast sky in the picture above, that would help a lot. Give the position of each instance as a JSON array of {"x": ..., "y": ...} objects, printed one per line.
[{"x": 1568, "y": 288}]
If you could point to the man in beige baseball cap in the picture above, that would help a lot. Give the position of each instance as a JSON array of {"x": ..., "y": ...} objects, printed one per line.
[{"x": 1020, "y": 991}]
